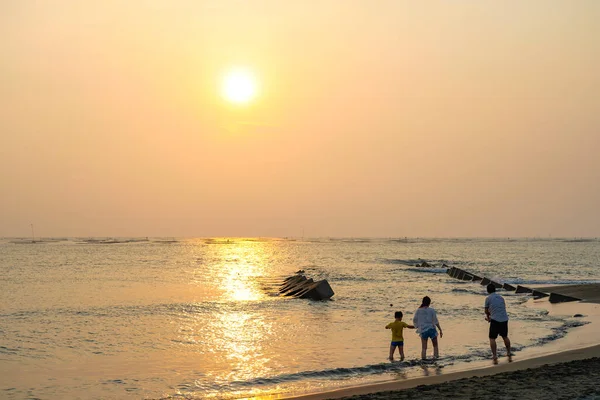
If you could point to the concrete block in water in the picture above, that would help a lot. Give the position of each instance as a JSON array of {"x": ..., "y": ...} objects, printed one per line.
[
  {"x": 523, "y": 289},
  {"x": 291, "y": 279},
  {"x": 298, "y": 287},
  {"x": 538, "y": 295},
  {"x": 467, "y": 276},
  {"x": 316, "y": 291},
  {"x": 458, "y": 273},
  {"x": 485, "y": 281},
  {"x": 291, "y": 283},
  {"x": 301, "y": 287},
  {"x": 496, "y": 284},
  {"x": 560, "y": 298},
  {"x": 508, "y": 287}
]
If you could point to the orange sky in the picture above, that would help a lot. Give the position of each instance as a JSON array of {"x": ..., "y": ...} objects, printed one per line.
[{"x": 388, "y": 118}]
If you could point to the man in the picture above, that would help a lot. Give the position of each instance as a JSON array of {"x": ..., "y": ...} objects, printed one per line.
[{"x": 495, "y": 314}]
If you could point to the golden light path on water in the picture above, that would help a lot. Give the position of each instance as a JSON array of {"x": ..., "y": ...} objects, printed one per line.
[{"x": 236, "y": 329}]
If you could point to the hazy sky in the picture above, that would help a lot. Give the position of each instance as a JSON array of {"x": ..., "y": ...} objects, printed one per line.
[{"x": 374, "y": 118}]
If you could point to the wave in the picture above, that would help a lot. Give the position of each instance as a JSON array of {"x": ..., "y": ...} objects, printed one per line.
[
  {"x": 8, "y": 351},
  {"x": 333, "y": 373},
  {"x": 549, "y": 282},
  {"x": 427, "y": 270},
  {"x": 349, "y": 278},
  {"x": 470, "y": 291},
  {"x": 183, "y": 310},
  {"x": 559, "y": 332},
  {"x": 410, "y": 262}
]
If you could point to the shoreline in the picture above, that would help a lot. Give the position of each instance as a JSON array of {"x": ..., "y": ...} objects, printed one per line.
[
  {"x": 530, "y": 364},
  {"x": 581, "y": 344}
]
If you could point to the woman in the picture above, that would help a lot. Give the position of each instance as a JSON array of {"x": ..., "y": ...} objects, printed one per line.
[{"x": 425, "y": 320}]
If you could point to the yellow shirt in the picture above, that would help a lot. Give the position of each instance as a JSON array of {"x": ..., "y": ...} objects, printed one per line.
[{"x": 397, "y": 327}]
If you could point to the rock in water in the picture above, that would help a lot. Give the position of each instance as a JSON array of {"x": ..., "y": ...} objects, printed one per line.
[
  {"x": 316, "y": 291},
  {"x": 305, "y": 288}
]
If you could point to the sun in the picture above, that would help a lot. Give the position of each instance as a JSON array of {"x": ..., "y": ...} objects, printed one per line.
[{"x": 239, "y": 86}]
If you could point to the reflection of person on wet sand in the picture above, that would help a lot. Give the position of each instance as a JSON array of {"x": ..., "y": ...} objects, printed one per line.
[
  {"x": 495, "y": 314},
  {"x": 425, "y": 319}
]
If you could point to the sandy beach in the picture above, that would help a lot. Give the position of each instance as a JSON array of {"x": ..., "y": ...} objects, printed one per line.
[
  {"x": 570, "y": 380},
  {"x": 572, "y": 374}
]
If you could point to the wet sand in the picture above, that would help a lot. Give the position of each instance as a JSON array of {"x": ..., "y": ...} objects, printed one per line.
[
  {"x": 570, "y": 380},
  {"x": 572, "y": 374},
  {"x": 589, "y": 293}
]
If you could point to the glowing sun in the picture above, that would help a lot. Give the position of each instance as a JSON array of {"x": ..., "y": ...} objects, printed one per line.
[{"x": 239, "y": 86}]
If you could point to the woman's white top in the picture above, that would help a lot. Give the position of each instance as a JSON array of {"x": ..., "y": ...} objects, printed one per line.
[{"x": 424, "y": 319}]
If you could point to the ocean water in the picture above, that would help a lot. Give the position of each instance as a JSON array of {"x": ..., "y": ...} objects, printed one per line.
[{"x": 201, "y": 318}]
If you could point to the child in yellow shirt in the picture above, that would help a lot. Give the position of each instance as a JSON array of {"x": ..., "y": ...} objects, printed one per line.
[{"x": 397, "y": 339}]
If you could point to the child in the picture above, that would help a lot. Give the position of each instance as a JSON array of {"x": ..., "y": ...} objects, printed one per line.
[{"x": 397, "y": 339}]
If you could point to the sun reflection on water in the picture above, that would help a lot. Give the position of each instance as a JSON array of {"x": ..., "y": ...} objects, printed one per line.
[
  {"x": 236, "y": 336},
  {"x": 244, "y": 263}
]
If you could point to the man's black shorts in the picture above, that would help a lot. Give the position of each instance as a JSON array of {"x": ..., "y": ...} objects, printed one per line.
[{"x": 498, "y": 328}]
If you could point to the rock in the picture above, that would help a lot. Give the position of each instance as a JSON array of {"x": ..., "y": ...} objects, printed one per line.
[
  {"x": 508, "y": 287},
  {"x": 454, "y": 272},
  {"x": 291, "y": 283},
  {"x": 523, "y": 289},
  {"x": 316, "y": 291},
  {"x": 305, "y": 288},
  {"x": 298, "y": 288},
  {"x": 577, "y": 315},
  {"x": 467, "y": 277}
]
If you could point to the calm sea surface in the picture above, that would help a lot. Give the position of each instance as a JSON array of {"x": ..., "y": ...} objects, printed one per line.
[{"x": 199, "y": 318}]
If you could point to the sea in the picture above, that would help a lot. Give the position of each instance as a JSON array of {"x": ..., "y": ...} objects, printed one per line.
[{"x": 197, "y": 318}]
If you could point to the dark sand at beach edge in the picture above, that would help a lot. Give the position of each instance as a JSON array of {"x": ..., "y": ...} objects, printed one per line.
[
  {"x": 578, "y": 379},
  {"x": 589, "y": 293},
  {"x": 571, "y": 374}
]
